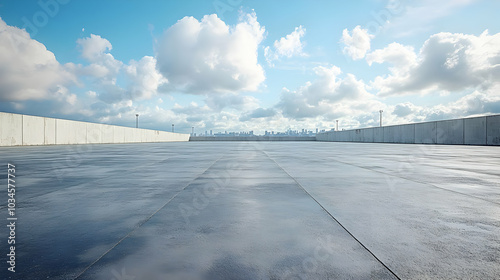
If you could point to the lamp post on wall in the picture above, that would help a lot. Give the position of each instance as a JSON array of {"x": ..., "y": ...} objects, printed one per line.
[
  {"x": 136, "y": 120},
  {"x": 337, "y": 125},
  {"x": 381, "y": 111}
]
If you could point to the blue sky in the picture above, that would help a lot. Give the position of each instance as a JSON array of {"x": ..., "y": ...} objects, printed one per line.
[{"x": 240, "y": 65}]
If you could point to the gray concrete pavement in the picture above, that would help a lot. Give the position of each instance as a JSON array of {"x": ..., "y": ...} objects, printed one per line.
[{"x": 254, "y": 210}]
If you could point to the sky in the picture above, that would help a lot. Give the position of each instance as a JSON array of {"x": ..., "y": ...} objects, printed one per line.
[{"x": 250, "y": 65}]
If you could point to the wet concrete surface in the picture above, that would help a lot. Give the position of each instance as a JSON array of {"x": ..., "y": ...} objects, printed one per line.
[{"x": 254, "y": 210}]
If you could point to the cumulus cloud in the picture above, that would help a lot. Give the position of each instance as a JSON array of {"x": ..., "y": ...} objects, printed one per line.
[
  {"x": 405, "y": 109},
  {"x": 29, "y": 71},
  {"x": 104, "y": 66},
  {"x": 288, "y": 46},
  {"x": 447, "y": 62},
  {"x": 396, "y": 54},
  {"x": 208, "y": 56},
  {"x": 94, "y": 47},
  {"x": 476, "y": 103},
  {"x": 357, "y": 44},
  {"x": 143, "y": 77},
  {"x": 330, "y": 96}
]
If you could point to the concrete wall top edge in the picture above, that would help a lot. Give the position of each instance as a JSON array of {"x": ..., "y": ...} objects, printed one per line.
[
  {"x": 392, "y": 125},
  {"x": 92, "y": 123}
]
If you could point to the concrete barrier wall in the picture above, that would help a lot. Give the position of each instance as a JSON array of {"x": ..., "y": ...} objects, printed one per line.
[
  {"x": 19, "y": 130},
  {"x": 475, "y": 131},
  {"x": 11, "y": 129},
  {"x": 450, "y": 132},
  {"x": 493, "y": 130},
  {"x": 252, "y": 138},
  {"x": 468, "y": 131},
  {"x": 426, "y": 133}
]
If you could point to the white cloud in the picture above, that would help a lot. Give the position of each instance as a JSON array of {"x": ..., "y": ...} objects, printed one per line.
[
  {"x": 143, "y": 77},
  {"x": 288, "y": 46},
  {"x": 94, "y": 47},
  {"x": 447, "y": 62},
  {"x": 27, "y": 69},
  {"x": 104, "y": 66},
  {"x": 209, "y": 56},
  {"x": 330, "y": 97},
  {"x": 357, "y": 44},
  {"x": 476, "y": 103},
  {"x": 396, "y": 54}
]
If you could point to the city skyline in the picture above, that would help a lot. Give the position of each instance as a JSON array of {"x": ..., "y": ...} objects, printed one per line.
[{"x": 250, "y": 65}]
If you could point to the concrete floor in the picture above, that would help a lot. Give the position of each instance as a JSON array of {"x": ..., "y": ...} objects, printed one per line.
[{"x": 254, "y": 210}]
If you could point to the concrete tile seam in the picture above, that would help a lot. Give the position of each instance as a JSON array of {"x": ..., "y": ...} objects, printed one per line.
[
  {"x": 146, "y": 220},
  {"x": 334, "y": 219},
  {"x": 423, "y": 183}
]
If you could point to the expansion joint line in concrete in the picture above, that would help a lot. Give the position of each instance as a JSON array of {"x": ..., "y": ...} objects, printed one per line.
[
  {"x": 418, "y": 182},
  {"x": 145, "y": 221},
  {"x": 333, "y": 218}
]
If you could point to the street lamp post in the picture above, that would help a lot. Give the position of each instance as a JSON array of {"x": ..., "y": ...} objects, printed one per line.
[
  {"x": 172, "y": 127},
  {"x": 337, "y": 125},
  {"x": 381, "y": 111},
  {"x": 192, "y": 130},
  {"x": 136, "y": 120}
]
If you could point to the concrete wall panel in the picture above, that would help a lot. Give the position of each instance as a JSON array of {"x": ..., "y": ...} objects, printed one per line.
[
  {"x": 93, "y": 133},
  {"x": 389, "y": 134},
  {"x": 493, "y": 130},
  {"x": 331, "y": 136},
  {"x": 378, "y": 134},
  {"x": 107, "y": 134},
  {"x": 147, "y": 136},
  {"x": 33, "y": 130},
  {"x": 321, "y": 137},
  {"x": 49, "y": 131},
  {"x": 71, "y": 132},
  {"x": 475, "y": 131},
  {"x": 11, "y": 132},
  {"x": 118, "y": 134},
  {"x": 368, "y": 135},
  {"x": 356, "y": 135},
  {"x": 406, "y": 133},
  {"x": 450, "y": 132},
  {"x": 425, "y": 133},
  {"x": 129, "y": 136}
]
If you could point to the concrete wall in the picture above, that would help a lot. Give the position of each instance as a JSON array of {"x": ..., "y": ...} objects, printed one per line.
[
  {"x": 469, "y": 131},
  {"x": 11, "y": 129},
  {"x": 18, "y": 130},
  {"x": 426, "y": 133},
  {"x": 475, "y": 131},
  {"x": 252, "y": 138},
  {"x": 493, "y": 130},
  {"x": 451, "y": 132},
  {"x": 33, "y": 127}
]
